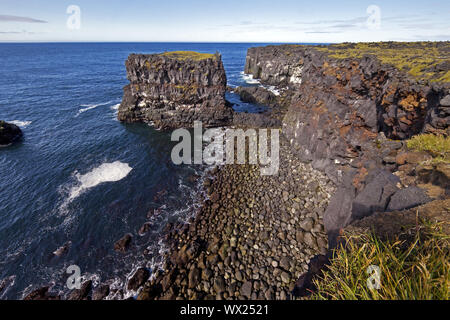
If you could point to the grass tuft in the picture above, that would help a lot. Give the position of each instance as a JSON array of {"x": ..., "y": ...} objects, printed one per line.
[
  {"x": 436, "y": 145},
  {"x": 188, "y": 55},
  {"x": 415, "y": 269}
]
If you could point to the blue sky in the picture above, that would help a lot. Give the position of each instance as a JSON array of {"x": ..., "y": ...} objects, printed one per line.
[{"x": 225, "y": 21}]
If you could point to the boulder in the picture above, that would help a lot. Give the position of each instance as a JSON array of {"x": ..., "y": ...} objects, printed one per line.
[
  {"x": 9, "y": 133},
  {"x": 123, "y": 244},
  {"x": 138, "y": 279},
  {"x": 257, "y": 95},
  {"x": 375, "y": 197},
  {"x": 408, "y": 198},
  {"x": 100, "y": 292},
  {"x": 82, "y": 293},
  {"x": 41, "y": 294}
]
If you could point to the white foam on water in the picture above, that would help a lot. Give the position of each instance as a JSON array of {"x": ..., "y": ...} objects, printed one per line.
[
  {"x": 22, "y": 124},
  {"x": 107, "y": 172},
  {"x": 115, "y": 107},
  {"x": 273, "y": 89},
  {"x": 87, "y": 107},
  {"x": 249, "y": 78}
]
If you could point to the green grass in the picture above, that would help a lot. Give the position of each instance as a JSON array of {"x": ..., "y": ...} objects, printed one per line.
[
  {"x": 436, "y": 145},
  {"x": 419, "y": 59},
  {"x": 415, "y": 269},
  {"x": 188, "y": 55}
]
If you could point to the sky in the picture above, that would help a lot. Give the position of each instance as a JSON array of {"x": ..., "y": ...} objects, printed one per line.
[{"x": 295, "y": 21}]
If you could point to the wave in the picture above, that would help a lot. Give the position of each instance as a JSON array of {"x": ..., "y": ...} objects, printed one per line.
[
  {"x": 88, "y": 107},
  {"x": 22, "y": 124},
  {"x": 248, "y": 78},
  {"x": 107, "y": 172}
]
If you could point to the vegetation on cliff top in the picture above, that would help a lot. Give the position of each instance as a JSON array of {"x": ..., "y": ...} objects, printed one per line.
[
  {"x": 418, "y": 268},
  {"x": 428, "y": 61},
  {"x": 188, "y": 55},
  {"x": 437, "y": 146}
]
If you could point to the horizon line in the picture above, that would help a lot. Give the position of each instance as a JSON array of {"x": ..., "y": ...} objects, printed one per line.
[{"x": 205, "y": 42}]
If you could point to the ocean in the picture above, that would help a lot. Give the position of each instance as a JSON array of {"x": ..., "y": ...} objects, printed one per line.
[{"x": 81, "y": 178}]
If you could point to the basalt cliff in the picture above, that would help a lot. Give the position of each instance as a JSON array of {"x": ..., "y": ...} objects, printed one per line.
[
  {"x": 174, "y": 89},
  {"x": 349, "y": 112}
]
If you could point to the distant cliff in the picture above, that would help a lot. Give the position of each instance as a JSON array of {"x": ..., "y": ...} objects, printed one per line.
[{"x": 175, "y": 89}]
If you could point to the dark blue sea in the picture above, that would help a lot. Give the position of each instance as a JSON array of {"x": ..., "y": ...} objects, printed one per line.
[{"x": 81, "y": 178}]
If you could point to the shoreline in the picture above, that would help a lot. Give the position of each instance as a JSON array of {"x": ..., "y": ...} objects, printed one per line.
[{"x": 220, "y": 255}]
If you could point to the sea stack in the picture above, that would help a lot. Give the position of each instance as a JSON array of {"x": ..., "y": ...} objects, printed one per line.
[
  {"x": 174, "y": 89},
  {"x": 9, "y": 133}
]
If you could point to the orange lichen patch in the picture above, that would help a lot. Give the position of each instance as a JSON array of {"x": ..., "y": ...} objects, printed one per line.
[
  {"x": 344, "y": 130},
  {"x": 410, "y": 102},
  {"x": 405, "y": 121},
  {"x": 319, "y": 108},
  {"x": 359, "y": 177}
]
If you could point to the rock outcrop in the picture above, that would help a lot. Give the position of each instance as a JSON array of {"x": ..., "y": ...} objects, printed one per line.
[
  {"x": 349, "y": 117},
  {"x": 174, "y": 89},
  {"x": 9, "y": 133}
]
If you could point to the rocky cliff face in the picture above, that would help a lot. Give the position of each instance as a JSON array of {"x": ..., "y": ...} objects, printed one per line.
[
  {"x": 349, "y": 117},
  {"x": 175, "y": 89}
]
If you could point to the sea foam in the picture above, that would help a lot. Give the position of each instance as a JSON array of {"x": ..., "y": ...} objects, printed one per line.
[
  {"x": 22, "y": 124},
  {"x": 107, "y": 172},
  {"x": 249, "y": 79},
  {"x": 87, "y": 107}
]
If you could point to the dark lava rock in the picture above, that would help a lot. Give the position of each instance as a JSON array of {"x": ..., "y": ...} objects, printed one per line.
[
  {"x": 408, "y": 198},
  {"x": 138, "y": 279},
  {"x": 62, "y": 250},
  {"x": 219, "y": 285},
  {"x": 100, "y": 292},
  {"x": 9, "y": 133},
  {"x": 150, "y": 293},
  {"x": 41, "y": 294},
  {"x": 304, "y": 285},
  {"x": 257, "y": 95},
  {"x": 375, "y": 196},
  {"x": 246, "y": 289},
  {"x": 145, "y": 228},
  {"x": 338, "y": 211},
  {"x": 82, "y": 293},
  {"x": 123, "y": 244},
  {"x": 255, "y": 120},
  {"x": 174, "y": 89}
]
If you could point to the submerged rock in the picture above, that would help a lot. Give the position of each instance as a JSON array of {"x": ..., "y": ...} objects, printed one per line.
[
  {"x": 123, "y": 244},
  {"x": 9, "y": 133}
]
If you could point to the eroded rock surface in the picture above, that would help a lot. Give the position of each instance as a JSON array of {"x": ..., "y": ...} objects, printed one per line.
[{"x": 173, "y": 90}]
